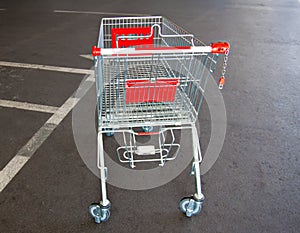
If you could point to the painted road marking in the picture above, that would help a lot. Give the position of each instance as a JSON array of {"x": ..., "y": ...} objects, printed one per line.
[
  {"x": 46, "y": 67},
  {"x": 96, "y": 13},
  {"x": 261, "y": 7},
  {"x": 2, "y": 9},
  {"x": 26, "y": 152},
  {"x": 87, "y": 56},
  {"x": 28, "y": 106}
]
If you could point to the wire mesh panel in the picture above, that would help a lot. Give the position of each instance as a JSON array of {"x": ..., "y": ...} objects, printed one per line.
[
  {"x": 113, "y": 28},
  {"x": 138, "y": 90},
  {"x": 161, "y": 88}
]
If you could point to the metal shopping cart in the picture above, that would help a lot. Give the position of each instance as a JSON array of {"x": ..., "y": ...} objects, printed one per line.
[{"x": 150, "y": 74}]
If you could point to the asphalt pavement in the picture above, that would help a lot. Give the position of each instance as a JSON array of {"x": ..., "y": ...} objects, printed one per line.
[{"x": 254, "y": 186}]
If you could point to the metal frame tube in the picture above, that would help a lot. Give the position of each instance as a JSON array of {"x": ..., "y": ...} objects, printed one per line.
[
  {"x": 103, "y": 169},
  {"x": 196, "y": 163}
]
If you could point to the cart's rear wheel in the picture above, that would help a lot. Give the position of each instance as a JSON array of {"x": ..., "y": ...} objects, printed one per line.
[
  {"x": 190, "y": 206},
  {"x": 99, "y": 213},
  {"x": 109, "y": 134}
]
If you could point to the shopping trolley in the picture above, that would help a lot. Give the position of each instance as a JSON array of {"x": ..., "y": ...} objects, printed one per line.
[{"x": 150, "y": 75}]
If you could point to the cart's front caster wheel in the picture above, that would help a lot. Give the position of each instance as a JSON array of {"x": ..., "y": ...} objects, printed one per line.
[
  {"x": 191, "y": 206},
  {"x": 99, "y": 213},
  {"x": 147, "y": 128}
]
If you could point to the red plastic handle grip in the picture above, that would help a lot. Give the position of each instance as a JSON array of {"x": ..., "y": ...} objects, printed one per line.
[
  {"x": 96, "y": 51},
  {"x": 220, "y": 47}
]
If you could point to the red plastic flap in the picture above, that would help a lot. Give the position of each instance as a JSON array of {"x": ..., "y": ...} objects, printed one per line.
[
  {"x": 141, "y": 32},
  {"x": 142, "y": 91},
  {"x": 147, "y": 133},
  {"x": 158, "y": 82}
]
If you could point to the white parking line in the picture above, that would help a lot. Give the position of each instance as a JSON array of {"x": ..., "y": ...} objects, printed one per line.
[
  {"x": 2, "y": 9},
  {"x": 46, "y": 67},
  {"x": 28, "y": 106},
  {"x": 87, "y": 56},
  {"x": 96, "y": 13},
  {"x": 26, "y": 152}
]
